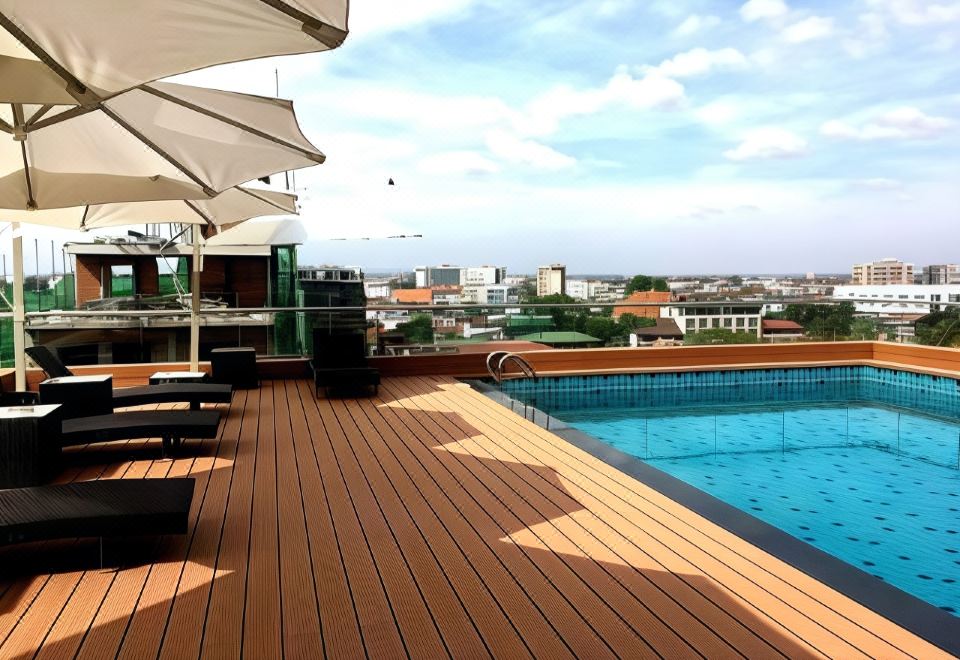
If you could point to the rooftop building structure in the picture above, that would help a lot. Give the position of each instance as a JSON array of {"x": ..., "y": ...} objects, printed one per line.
[
  {"x": 885, "y": 271},
  {"x": 551, "y": 280},
  {"x": 941, "y": 274}
]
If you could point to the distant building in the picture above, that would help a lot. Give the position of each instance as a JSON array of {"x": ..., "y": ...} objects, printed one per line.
[
  {"x": 551, "y": 280},
  {"x": 885, "y": 271},
  {"x": 447, "y": 295},
  {"x": 491, "y": 294},
  {"x": 446, "y": 275},
  {"x": 377, "y": 289},
  {"x": 428, "y": 276},
  {"x": 941, "y": 274},
  {"x": 643, "y": 297},
  {"x": 736, "y": 318},
  {"x": 775, "y": 330},
  {"x": 887, "y": 300},
  {"x": 412, "y": 297},
  {"x": 811, "y": 276}
]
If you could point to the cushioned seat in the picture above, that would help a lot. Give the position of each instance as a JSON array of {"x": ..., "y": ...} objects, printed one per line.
[
  {"x": 172, "y": 426},
  {"x": 109, "y": 507}
]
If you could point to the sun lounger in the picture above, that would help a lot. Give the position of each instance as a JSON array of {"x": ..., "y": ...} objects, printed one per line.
[
  {"x": 173, "y": 426},
  {"x": 192, "y": 393},
  {"x": 340, "y": 363},
  {"x": 97, "y": 509}
]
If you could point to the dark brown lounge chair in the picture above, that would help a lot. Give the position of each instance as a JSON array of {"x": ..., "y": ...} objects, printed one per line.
[
  {"x": 97, "y": 509},
  {"x": 192, "y": 393},
  {"x": 340, "y": 363},
  {"x": 173, "y": 426}
]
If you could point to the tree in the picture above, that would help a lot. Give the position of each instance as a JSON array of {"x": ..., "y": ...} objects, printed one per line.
[
  {"x": 822, "y": 321},
  {"x": 939, "y": 328},
  {"x": 418, "y": 330},
  {"x": 639, "y": 283},
  {"x": 719, "y": 336},
  {"x": 735, "y": 280},
  {"x": 631, "y": 322},
  {"x": 660, "y": 284},
  {"x": 863, "y": 328}
]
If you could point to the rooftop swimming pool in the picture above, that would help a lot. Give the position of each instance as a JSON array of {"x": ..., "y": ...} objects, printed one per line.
[{"x": 860, "y": 462}]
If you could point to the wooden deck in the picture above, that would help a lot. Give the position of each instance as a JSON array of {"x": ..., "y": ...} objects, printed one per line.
[{"x": 427, "y": 522}]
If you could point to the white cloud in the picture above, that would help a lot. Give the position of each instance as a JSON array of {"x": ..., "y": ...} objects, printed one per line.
[
  {"x": 652, "y": 91},
  {"x": 755, "y": 10},
  {"x": 809, "y": 29},
  {"x": 526, "y": 152},
  {"x": 919, "y": 12},
  {"x": 696, "y": 23},
  {"x": 768, "y": 143},
  {"x": 381, "y": 16},
  {"x": 901, "y": 124},
  {"x": 700, "y": 61},
  {"x": 719, "y": 112},
  {"x": 881, "y": 184},
  {"x": 454, "y": 163}
]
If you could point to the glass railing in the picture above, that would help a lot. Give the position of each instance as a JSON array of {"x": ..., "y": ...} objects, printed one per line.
[{"x": 144, "y": 333}]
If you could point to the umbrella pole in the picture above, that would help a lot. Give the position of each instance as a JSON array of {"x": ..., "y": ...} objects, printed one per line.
[
  {"x": 195, "y": 303},
  {"x": 19, "y": 357}
]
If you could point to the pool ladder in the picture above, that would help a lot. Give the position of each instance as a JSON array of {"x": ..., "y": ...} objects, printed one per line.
[{"x": 497, "y": 360}]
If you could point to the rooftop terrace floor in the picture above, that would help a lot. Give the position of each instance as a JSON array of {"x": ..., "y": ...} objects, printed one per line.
[{"x": 427, "y": 522}]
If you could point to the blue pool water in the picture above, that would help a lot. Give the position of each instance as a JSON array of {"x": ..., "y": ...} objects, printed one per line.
[{"x": 862, "y": 463}]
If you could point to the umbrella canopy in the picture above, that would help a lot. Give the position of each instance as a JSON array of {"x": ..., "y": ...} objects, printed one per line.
[
  {"x": 159, "y": 141},
  {"x": 70, "y": 51}
]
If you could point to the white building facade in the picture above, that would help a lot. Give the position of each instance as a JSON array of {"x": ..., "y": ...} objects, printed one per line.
[
  {"x": 735, "y": 318},
  {"x": 551, "y": 280},
  {"x": 898, "y": 299}
]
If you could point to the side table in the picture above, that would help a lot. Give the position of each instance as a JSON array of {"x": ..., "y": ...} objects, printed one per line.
[
  {"x": 235, "y": 366},
  {"x": 29, "y": 444},
  {"x": 81, "y": 396},
  {"x": 178, "y": 377}
]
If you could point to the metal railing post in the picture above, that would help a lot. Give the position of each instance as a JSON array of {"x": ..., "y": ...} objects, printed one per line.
[{"x": 783, "y": 433}]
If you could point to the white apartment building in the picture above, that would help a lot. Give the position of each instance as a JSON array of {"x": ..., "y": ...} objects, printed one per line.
[
  {"x": 898, "y": 299},
  {"x": 492, "y": 294},
  {"x": 941, "y": 274},
  {"x": 886, "y": 271},
  {"x": 736, "y": 318},
  {"x": 482, "y": 275},
  {"x": 377, "y": 288},
  {"x": 596, "y": 290},
  {"x": 551, "y": 280}
]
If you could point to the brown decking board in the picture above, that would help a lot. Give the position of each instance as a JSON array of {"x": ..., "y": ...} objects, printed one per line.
[{"x": 426, "y": 522}]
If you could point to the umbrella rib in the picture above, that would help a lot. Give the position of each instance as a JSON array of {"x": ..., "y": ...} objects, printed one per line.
[
  {"x": 44, "y": 109},
  {"x": 36, "y": 123},
  {"x": 207, "y": 188},
  {"x": 75, "y": 88},
  {"x": 328, "y": 35},
  {"x": 31, "y": 202},
  {"x": 193, "y": 207},
  {"x": 314, "y": 156},
  {"x": 263, "y": 199}
]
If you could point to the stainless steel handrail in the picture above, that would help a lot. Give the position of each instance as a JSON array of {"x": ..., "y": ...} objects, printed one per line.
[{"x": 504, "y": 357}]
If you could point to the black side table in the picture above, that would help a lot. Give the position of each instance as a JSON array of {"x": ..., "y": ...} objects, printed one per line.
[
  {"x": 81, "y": 396},
  {"x": 29, "y": 444},
  {"x": 235, "y": 366}
]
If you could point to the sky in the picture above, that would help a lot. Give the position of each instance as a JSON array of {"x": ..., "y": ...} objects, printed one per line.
[{"x": 626, "y": 136}]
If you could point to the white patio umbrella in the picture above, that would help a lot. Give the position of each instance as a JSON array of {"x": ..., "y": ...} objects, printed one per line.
[
  {"x": 230, "y": 207},
  {"x": 158, "y": 141},
  {"x": 83, "y": 51}
]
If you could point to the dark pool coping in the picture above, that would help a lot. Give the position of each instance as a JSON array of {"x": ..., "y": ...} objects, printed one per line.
[{"x": 918, "y": 616}]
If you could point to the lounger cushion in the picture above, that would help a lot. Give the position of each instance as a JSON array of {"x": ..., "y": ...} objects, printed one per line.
[
  {"x": 192, "y": 393},
  {"x": 141, "y": 424},
  {"x": 110, "y": 507}
]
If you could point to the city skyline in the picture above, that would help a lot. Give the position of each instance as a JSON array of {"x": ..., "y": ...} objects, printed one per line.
[{"x": 671, "y": 137}]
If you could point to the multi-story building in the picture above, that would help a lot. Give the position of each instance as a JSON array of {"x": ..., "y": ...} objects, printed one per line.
[
  {"x": 551, "y": 280},
  {"x": 886, "y": 300},
  {"x": 885, "y": 271},
  {"x": 736, "y": 318},
  {"x": 491, "y": 294},
  {"x": 446, "y": 275},
  {"x": 941, "y": 274},
  {"x": 377, "y": 289},
  {"x": 482, "y": 275},
  {"x": 428, "y": 276}
]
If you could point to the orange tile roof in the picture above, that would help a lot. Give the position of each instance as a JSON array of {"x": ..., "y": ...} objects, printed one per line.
[
  {"x": 412, "y": 296},
  {"x": 643, "y": 296}
]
